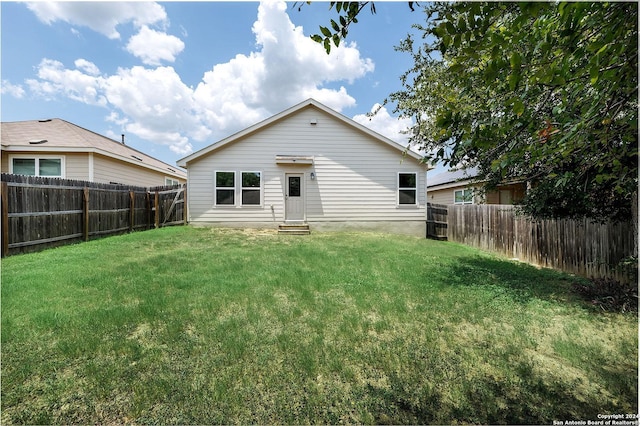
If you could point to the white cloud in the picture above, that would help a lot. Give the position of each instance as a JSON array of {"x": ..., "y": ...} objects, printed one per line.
[
  {"x": 114, "y": 117},
  {"x": 153, "y": 47},
  {"x": 76, "y": 84},
  {"x": 102, "y": 17},
  {"x": 154, "y": 104},
  {"x": 385, "y": 124},
  {"x": 177, "y": 142},
  {"x": 12, "y": 89},
  {"x": 86, "y": 66},
  {"x": 159, "y": 105},
  {"x": 288, "y": 68}
]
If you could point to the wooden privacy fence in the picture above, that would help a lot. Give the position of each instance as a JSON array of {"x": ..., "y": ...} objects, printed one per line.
[
  {"x": 436, "y": 221},
  {"x": 38, "y": 212},
  {"x": 575, "y": 246}
]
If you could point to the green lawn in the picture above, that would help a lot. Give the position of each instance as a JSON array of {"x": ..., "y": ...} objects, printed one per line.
[{"x": 202, "y": 326}]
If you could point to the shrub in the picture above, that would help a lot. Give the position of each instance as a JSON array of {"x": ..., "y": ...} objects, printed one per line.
[{"x": 609, "y": 294}]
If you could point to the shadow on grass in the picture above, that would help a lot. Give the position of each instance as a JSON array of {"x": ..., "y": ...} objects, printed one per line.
[
  {"x": 520, "y": 282},
  {"x": 524, "y": 396}
]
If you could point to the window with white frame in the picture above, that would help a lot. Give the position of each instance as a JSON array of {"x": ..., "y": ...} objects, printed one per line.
[
  {"x": 38, "y": 166},
  {"x": 407, "y": 188},
  {"x": 170, "y": 181},
  {"x": 225, "y": 188},
  {"x": 251, "y": 188},
  {"x": 463, "y": 196}
]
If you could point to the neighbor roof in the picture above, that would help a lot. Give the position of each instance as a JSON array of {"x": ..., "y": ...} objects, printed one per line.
[
  {"x": 308, "y": 103},
  {"x": 59, "y": 135},
  {"x": 451, "y": 176}
]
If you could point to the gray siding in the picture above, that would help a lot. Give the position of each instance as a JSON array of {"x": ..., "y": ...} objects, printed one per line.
[{"x": 356, "y": 175}]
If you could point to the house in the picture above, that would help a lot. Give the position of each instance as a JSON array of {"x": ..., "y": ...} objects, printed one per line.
[
  {"x": 307, "y": 165},
  {"x": 461, "y": 187},
  {"x": 58, "y": 148}
]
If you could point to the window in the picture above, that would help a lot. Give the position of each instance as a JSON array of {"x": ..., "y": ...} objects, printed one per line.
[
  {"x": 251, "y": 185},
  {"x": 170, "y": 181},
  {"x": 38, "y": 166},
  {"x": 463, "y": 196},
  {"x": 294, "y": 186},
  {"x": 24, "y": 166},
  {"x": 407, "y": 188},
  {"x": 225, "y": 188}
]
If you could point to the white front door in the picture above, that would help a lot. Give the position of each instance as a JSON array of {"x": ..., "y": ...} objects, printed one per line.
[{"x": 294, "y": 197}]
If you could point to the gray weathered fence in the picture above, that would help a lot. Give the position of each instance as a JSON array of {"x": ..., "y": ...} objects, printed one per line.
[
  {"x": 37, "y": 212},
  {"x": 436, "y": 221},
  {"x": 575, "y": 246}
]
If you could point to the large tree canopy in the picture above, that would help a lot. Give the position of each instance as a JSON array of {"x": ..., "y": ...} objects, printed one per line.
[{"x": 545, "y": 93}]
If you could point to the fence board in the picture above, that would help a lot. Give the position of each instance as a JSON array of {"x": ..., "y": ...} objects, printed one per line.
[
  {"x": 575, "y": 246},
  {"x": 4, "y": 211},
  {"x": 45, "y": 212},
  {"x": 437, "y": 221}
]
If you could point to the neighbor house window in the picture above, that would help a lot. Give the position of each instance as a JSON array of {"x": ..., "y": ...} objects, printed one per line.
[
  {"x": 251, "y": 186},
  {"x": 225, "y": 188},
  {"x": 38, "y": 166},
  {"x": 407, "y": 188},
  {"x": 463, "y": 196},
  {"x": 171, "y": 182}
]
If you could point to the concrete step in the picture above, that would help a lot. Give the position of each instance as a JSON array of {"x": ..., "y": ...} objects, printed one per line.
[{"x": 294, "y": 229}]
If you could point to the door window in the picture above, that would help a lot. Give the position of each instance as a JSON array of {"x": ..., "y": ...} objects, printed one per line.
[{"x": 294, "y": 186}]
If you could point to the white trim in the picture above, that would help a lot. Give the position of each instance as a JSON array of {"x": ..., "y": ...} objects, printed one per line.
[
  {"x": 260, "y": 188},
  {"x": 172, "y": 179},
  {"x": 215, "y": 188},
  {"x": 463, "y": 202},
  {"x": 294, "y": 159},
  {"x": 456, "y": 184},
  {"x": 37, "y": 159},
  {"x": 399, "y": 188},
  {"x": 91, "y": 167},
  {"x": 303, "y": 196}
]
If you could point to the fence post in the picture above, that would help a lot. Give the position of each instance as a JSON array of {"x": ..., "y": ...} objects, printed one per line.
[
  {"x": 157, "y": 206},
  {"x": 5, "y": 219},
  {"x": 85, "y": 212},
  {"x": 132, "y": 205},
  {"x": 184, "y": 204}
]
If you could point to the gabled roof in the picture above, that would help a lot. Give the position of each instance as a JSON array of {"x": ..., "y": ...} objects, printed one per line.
[
  {"x": 452, "y": 176},
  {"x": 56, "y": 135},
  {"x": 286, "y": 113}
]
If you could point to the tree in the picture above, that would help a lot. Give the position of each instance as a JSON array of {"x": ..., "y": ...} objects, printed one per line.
[
  {"x": 348, "y": 13},
  {"x": 545, "y": 93}
]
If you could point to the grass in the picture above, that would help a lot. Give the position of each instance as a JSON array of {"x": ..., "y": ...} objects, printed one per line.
[{"x": 203, "y": 326}]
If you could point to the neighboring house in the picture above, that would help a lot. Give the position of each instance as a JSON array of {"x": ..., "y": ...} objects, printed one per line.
[
  {"x": 311, "y": 165},
  {"x": 57, "y": 148},
  {"x": 459, "y": 187}
]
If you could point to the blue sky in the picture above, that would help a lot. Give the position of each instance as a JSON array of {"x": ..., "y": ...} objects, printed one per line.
[{"x": 175, "y": 77}]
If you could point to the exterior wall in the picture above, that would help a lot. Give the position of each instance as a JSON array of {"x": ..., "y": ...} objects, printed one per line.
[
  {"x": 4, "y": 162},
  {"x": 108, "y": 170},
  {"x": 505, "y": 194},
  {"x": 76, "y": 165},
  {"x": 446, "y": 195},
  {"x": 356, "y": 177},
  {"x": 440, "y": 196}
]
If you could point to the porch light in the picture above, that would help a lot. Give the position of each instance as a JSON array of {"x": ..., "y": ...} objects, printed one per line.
[{"x": 313, "y": 175}]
